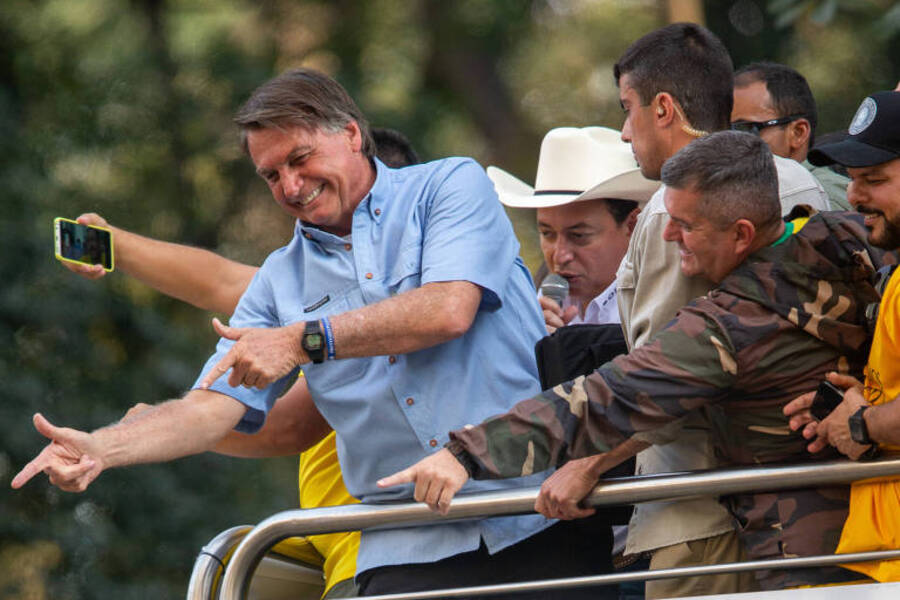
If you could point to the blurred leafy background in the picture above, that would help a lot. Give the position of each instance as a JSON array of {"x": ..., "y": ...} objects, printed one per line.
[{"x": 124, "y": 108}]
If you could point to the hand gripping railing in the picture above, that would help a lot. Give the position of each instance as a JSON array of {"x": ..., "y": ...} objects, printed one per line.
[{"x": 624, "y": 490}]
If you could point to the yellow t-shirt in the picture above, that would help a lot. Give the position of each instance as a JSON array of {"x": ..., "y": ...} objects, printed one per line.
[
  {"x": 321, "y": 484},
  {"x": 874, "y": 519},
  {"x": 883, "y": 370}
]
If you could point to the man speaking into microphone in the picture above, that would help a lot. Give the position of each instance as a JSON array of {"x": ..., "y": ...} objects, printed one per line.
[{"x": 588, "y": 192}]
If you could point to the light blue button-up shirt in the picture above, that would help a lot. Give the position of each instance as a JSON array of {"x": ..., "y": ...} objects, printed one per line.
[{"x": 435, "y": 222}]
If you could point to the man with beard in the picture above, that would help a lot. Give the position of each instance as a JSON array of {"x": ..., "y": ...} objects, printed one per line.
[{"x": 868, "y": 417}]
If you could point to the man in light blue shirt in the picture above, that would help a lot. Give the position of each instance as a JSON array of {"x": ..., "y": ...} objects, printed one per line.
[
  {"x": 395, "y": 405},
  {"x": 401, "y": 296}
]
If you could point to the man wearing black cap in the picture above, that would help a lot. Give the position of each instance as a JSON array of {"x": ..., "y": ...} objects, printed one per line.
[{"x": 868, "y": 418}]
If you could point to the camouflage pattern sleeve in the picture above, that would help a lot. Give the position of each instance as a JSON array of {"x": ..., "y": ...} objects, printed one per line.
[{"x": 690, "y": 363}]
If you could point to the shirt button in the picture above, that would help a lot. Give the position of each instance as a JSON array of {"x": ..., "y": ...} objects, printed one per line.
[
  {"x": 432, "y": 443},
  {"x": 410, "y": 401},
  {"x": 377, "y": 212},
  {"x": 307, "y": 236},
  {"x": 392, "y": 359},
  {"x": 368, "y": 276},
  {"x": 348, "y": 246}
]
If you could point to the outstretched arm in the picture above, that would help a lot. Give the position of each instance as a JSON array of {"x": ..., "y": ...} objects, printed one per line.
[
  {"x": 293, "y": 425},
  {"x": 598, "y": 414},
  {"x": 190, "y": 425},
  {"x": 198, "y": 277}
]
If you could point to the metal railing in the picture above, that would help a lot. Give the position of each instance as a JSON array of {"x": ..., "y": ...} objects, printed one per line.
[
  {"x": 596, "y": 580},
  {"x": 211, "y": 560},
  {"x": 624, "y": 490}
]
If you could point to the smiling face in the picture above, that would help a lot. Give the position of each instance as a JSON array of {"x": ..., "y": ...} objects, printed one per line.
[
  {"x": 875, "y": 192},
  {"x": 582, "y": 242},
  {"x": 640, "y": 131},
  {"x": 706, "y": 250},
  {"x": 316, "y": 176}
]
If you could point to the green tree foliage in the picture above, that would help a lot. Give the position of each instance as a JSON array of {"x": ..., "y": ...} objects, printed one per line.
[
  {"x": 124, "y": 108},
  {"x": 846, "y": 49}
]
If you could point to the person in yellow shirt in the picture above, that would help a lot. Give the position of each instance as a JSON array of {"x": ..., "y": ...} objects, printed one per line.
[
  {"x": 321, "y": 484},
  {"x": 868, "y": 419}
]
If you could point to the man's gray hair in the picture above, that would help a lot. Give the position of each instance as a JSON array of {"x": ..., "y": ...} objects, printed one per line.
[
  {"x": 735, "y": 174},
  {"x": 305, "y": 98}
]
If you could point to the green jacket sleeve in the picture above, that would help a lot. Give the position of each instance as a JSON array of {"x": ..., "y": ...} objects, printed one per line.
[{"x": 688, "y": 364}]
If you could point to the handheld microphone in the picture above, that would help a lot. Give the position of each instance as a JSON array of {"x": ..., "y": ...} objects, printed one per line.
[{"x": 555, "y": 287}]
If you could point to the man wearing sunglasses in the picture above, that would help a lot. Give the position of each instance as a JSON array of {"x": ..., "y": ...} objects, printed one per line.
[{"x": 774, "y": 102}]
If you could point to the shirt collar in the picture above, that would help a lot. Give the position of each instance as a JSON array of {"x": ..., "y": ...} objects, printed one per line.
[
  {"x": 375, "y": 202},
  {"x": 602, "y": 309}
]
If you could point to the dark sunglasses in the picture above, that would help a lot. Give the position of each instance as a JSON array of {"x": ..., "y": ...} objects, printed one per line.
[{"x": 755, "y": 127}]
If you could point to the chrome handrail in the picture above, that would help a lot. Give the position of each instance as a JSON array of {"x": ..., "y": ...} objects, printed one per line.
[
  {"x": 595, "y": 580},
  {"x": 211, "y": 559},
  {"x": 625, "y": 490}
]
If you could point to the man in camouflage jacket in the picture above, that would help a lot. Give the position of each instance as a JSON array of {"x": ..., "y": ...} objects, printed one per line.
[{"x": 789, "y": 307}]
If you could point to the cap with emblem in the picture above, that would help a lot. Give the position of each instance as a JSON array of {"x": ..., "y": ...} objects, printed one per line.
[{"x": 874, "y": 135}]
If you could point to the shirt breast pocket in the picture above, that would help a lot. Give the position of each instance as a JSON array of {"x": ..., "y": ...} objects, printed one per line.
[
  {"x": 331, "y": 373},
  {"x": 625, "y": 275},
  {"x": 406, "y": 272}
]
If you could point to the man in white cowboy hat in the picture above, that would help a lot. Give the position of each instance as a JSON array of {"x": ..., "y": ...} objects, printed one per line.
[{"x": 588, "y": 192}]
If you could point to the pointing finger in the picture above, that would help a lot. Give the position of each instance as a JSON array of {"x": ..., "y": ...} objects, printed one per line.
[
  {"x": 404, "y": 476},
  {"x": 30, "y": 470},
  {"x": 217, "y": 371}
]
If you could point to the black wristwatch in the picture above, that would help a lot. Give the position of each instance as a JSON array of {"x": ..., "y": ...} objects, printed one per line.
[
  {"x": 859, "y": 432},
  {"x": 313, "y": 341}
]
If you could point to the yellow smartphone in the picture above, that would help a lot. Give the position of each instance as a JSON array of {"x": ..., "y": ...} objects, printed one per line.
[{"x": 83, "y": 244}]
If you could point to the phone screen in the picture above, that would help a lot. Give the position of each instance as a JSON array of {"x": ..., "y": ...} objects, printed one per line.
[{"x": 83, "y": 243}]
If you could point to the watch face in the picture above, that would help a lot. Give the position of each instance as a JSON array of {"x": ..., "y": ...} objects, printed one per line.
[{"x": 313, "y": 341}]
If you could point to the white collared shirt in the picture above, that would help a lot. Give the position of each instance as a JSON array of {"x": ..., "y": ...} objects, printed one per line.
[{"x": 601, "y": 310}]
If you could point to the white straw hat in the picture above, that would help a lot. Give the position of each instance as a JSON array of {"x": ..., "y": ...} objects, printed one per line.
[{"x": 577, "y": 164}]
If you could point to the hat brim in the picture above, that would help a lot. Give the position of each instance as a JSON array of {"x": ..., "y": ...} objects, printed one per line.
[
  {"x": 849, "y": 153},
  {"x": 514, "y": 192},
  {"x": 630, "y": 185}
]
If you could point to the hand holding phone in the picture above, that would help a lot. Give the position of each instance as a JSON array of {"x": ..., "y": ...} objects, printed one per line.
[
  {"x": 827, "y": 397},
  {"x": 83, "y": 244}
]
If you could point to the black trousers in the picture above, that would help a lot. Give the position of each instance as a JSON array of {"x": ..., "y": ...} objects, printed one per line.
[{"x": 565, "y": 549}]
